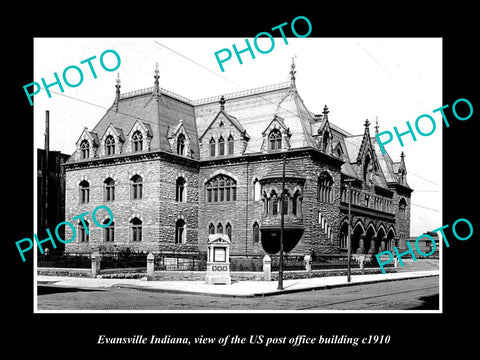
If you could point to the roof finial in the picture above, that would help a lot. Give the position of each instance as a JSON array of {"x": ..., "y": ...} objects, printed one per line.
[
  {"x": 325, "y": 112},
  {"x": 376, "y": 125},
  {"x": 222, "y": 102},
  {"x": 117, "y": 92},
  {"x": 402, "y": 155},
  {"x": 156, "y": 76},
  {"x": 292, "y": 72}
]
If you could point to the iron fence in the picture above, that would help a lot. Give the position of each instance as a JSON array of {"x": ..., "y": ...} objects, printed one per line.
[
  {"x": 123, "y": 259},
  {"x": 64, "y": 260},
  {"x": 180, "y": 260},
  {"x": 322, "y": 262}
]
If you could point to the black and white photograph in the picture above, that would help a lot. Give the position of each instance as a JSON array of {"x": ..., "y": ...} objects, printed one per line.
[
  {"x": 277, "y": 187},
  {"x": 193, "y": 188}
]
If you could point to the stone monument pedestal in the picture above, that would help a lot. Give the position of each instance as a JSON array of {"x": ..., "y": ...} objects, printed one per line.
[{"x": 218, "y": 260}]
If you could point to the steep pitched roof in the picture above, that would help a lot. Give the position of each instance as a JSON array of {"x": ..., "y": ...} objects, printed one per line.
[
  {"x": 255, "y": 109},
  {"x": 160, "y": 114}
]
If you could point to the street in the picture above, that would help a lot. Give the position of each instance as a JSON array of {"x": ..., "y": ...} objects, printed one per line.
[{"x": 411, "y": 294}]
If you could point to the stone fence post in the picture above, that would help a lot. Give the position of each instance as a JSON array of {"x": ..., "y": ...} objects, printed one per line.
[
  {"x": 150, "y": 266},
  {"x": 95, "y": 258},
  {"x": 308, "y": 263},
  {"x": 267, "y": 268}
]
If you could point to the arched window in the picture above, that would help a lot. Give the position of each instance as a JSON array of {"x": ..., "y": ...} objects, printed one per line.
[
  {"x": 212, "y": 147},
  {"x": 221, "y": 146},
  {"x": 256, "y": 232},
  {"x": 137, "y": 187},
  {"x": 84, "y": 192},
  {"x": 221, "y": 188},
  {"x": 402, "y": 206},
  {"x": 180, "y": 190},
  {"x": 137, "y": 141},
  {"x": 285, "y": 201},
  {"x": 219, "y": 228},
  {"x": 274, "y": 202},
  {"x": 136, "y": 229},
  {"x": 230, "y": 145},
  {"x": 181, "y": 145},
  {"x": 108, "y": 232},
  {"x": 84, "y": 149},
  {"x": 180, "y": 232},
  {"x": 296, "y": 204},
  {"x": 228, "y": 230},
  {"x": 109, "y": 190},
  {"x": 275, "y": 139},
  {"x": 109, "y": 145},
  {"x": 325, "y": 190},
  {"x": 211, "y": 229},
  {"x": 325, "y": 141},
  {"x": 83, "y": 230},
  {"x": 256, "y": 190}
]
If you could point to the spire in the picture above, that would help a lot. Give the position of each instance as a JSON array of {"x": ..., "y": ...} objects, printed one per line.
[
  {"x": 222, "y": 102},
  {"x": 117, "y": 92},
  {"x": 156, "y": 93},
  {"x": 325, "y": 112},
  {"x": 156, "y": 86},
  {"x": 367, "y": 124},
  {"x": 292, "y": 72}
]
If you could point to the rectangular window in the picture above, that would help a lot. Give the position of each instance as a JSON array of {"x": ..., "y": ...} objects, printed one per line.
[
  {"x": 137, "y": 233},
  {"x": 137, "y": 191},
  {"x": 109, "y": 234},
  {"x": 85, "y": 195},
  {"x": 209, "y": 195},
  {"x": 221, "y": 194}
]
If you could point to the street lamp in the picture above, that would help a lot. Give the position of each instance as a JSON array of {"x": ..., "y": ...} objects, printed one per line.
[{"x": 282, "y": 219}]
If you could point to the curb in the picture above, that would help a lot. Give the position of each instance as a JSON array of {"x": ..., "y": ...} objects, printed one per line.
[{"x": 264, "y": 294}]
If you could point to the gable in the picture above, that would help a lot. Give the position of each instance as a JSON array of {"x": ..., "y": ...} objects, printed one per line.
[{"x": 224, "y": 123}]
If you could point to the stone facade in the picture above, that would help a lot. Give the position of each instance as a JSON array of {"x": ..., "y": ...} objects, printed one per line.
[{"x": 205, "y": 167}]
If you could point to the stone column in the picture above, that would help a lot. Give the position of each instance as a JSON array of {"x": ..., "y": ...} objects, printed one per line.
[
  {"x": 95, "y": 258},
  {"x": 383, "y": 243},
  {"x": 361, "y": 244},
  {"x": 150, "y": 266},
  {"x": 267, "y": 268},
  {"x": 372, "y": 249}
]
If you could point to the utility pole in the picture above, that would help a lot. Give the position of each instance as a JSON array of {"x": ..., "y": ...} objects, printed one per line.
[
  {"x": 282, "y": 219},
  {"x": 349, "y": 238},
  {"x": 46, "y": 166}
]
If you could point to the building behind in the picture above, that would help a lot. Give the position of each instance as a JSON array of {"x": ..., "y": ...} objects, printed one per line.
[
  {"x": 173, "y": 170},
  {"x": 50, "y": 193}
]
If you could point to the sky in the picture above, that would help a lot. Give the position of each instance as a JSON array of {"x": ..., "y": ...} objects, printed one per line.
[{"x": 394, "y": 80}]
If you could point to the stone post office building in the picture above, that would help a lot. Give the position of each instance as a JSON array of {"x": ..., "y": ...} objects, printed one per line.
[{"x": 173, "y": 171}]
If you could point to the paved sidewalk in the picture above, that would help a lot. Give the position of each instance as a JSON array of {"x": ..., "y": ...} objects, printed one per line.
[{"x": 238, "y": 289}]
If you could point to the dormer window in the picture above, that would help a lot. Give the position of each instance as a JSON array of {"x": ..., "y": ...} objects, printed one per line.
[
  {"x": 275, "y": 140},
  {"x": 221, "y": 146},
  {"x": 181, "y": 145},
  {"x": 230, "y": 145},
  {"x": 212, "y": 147},
  {"x": 84, "y": 149},
  {"x": 137, "y": 141},
  {"x": 109, "y": 145}
]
